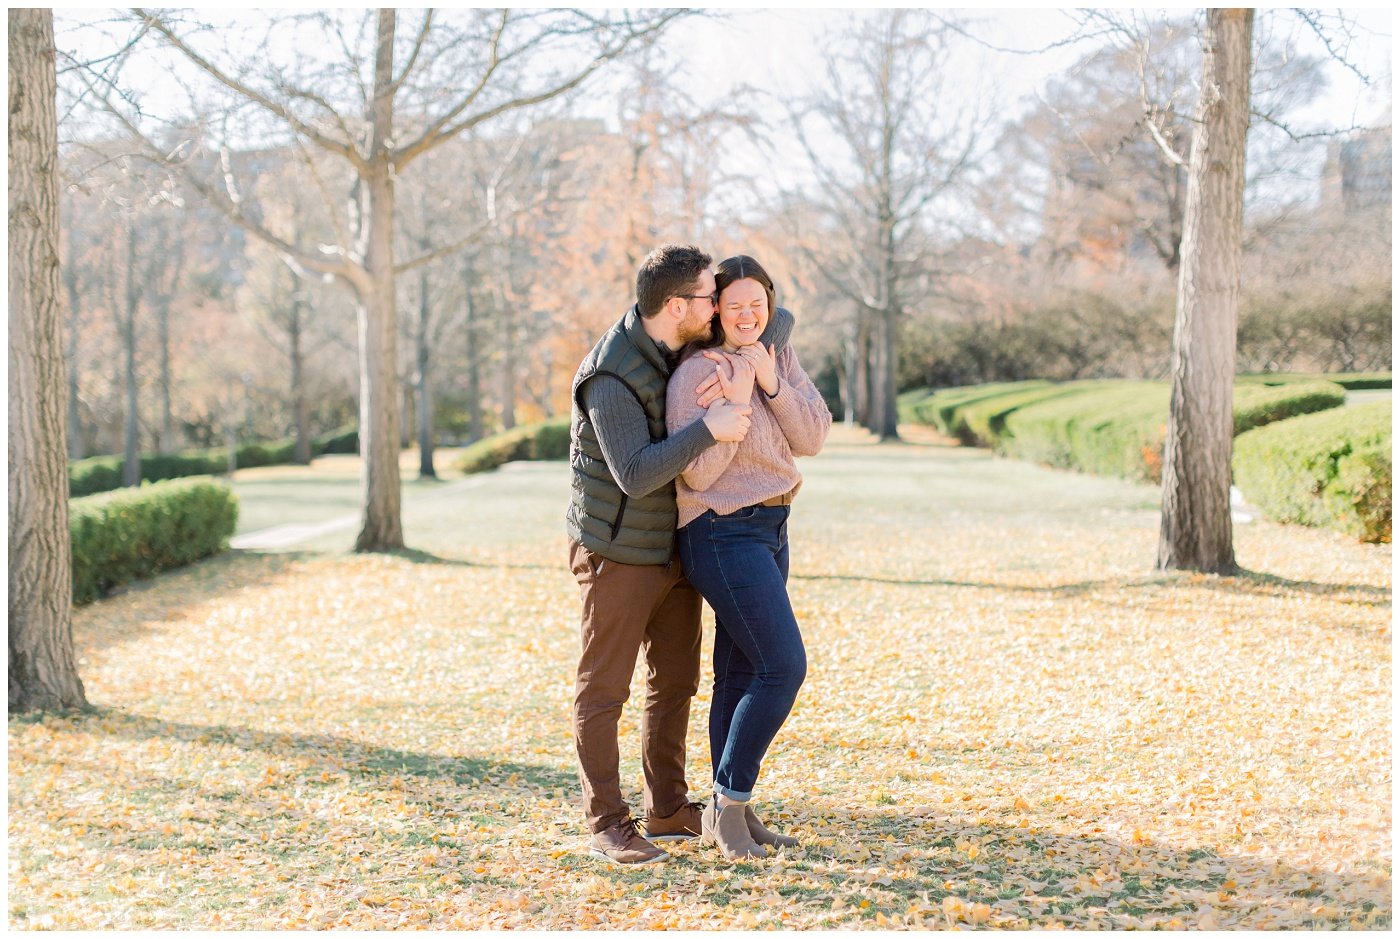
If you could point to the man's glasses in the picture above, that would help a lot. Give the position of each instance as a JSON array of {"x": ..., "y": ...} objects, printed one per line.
[{"x": 712, "y": 297}]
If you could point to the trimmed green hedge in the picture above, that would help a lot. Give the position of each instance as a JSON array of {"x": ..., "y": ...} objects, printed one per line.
[
  {"x": 1259, "y": 404},
  {"x": 1114, "y": 429},
  {"x": 1328, "y": 470},
  {"x": 341, "y": 440},
  {"x": 545, "y": 440},
  {"x": 983, "y": 421},
  {"x": 104, "y": 473},
  {"x": 122, "y": 536},
  {"x": 942, "y": 409},
  {"x": 1352, "y": 381}
]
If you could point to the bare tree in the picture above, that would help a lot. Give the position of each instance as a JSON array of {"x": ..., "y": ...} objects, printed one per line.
[
  {"x": 42, "y": 665},
  {"x": 1196, "y": 529},
  {"x": 909, "y": 151},
  {"x": 402, "y": 116}
]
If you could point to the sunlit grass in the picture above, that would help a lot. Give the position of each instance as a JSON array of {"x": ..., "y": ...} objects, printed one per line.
[{"x": 1009, "y": 721}]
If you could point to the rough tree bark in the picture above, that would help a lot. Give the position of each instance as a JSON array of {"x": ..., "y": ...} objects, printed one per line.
[
  {"x": 43, "y": 669},
  {"x": 381, "y": 526},
  {"x": 1196, "y": 532}
]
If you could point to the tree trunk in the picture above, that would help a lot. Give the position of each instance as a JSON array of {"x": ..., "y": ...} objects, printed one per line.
[
  {"x": 131, "y": 432},
  {"x": 886, "y": 416},
  {"x": 381, "y": 527},
  {"x": 861, "y": 380},
  {"x": 301, "y": 452},
  {"x": 43, "y": 668},
  {"x": 474, "y": 428},
  {"x": 407, "y": 389},
  {"x": 1196, "y": 529},
  {"x": 425, "y": 385}
]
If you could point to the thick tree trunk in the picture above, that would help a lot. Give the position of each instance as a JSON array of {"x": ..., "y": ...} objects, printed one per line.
[
  {"x": 43, "y": 669},
  {"x": 1196, "y": 529},
  {"x": 381, "y": 527},
  {"x": 425, "y": 385},
  {"x": 131, "y": 428}
]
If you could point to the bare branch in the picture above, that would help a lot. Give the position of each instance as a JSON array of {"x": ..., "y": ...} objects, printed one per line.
[
  {"x": 413, "y": 56},
  {"x": 343, "y": 147},
  {"x": 1313, "y": 19}
]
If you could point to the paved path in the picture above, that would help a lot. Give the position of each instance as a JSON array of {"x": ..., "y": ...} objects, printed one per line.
[{"x": 284, "y": 536}]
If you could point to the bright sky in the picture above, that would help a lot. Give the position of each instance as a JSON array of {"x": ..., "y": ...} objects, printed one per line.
[{"x": 778, "y": 50}]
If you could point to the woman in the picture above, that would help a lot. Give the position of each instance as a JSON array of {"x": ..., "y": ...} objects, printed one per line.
[{"x": 733, "y": 504}]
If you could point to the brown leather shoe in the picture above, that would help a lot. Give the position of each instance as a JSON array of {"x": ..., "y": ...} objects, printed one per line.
[
  {"x": 621, "y": 844},
  {"x": 681, "y": 825},
  {"x": 726, "y": 828},
  {"x": 762, "y": 835}
]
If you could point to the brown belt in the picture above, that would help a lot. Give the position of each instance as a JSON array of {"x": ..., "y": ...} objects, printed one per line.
[{"x": 784, "y": 499}]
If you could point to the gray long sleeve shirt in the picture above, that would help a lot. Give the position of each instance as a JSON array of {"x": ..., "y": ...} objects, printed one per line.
[{"x": 639, "y": 465}]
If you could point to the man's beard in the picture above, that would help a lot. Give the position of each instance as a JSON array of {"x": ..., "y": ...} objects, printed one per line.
[{"x": 691, "y": 331}]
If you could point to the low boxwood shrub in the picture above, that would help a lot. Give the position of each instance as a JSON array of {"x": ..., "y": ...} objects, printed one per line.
[
  {"x": 94, "y": 474},
  {"x": 104, "y": 473},
  {"x": 1112, "y": 428},
  {"x": 1259, "y": 404},
  {"x": 942, "y": 409},
  {"x": 1331, "y": 470},
  {"x": 983, "y": 421},
  {"x": 341, "y": 440},
  {"x": 545, "y": 440},
  {"x": 122, "y": 536},
  {"x": 1351, "y": 381}
]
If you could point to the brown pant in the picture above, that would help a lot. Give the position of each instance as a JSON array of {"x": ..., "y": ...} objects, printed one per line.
[{"x": 626, "y": 608}]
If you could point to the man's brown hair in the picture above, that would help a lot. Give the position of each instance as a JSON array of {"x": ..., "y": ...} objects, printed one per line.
[{"x": 669, "y": 271}]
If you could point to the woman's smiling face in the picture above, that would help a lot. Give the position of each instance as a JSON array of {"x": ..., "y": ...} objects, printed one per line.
[{"x": 743, "y": 312}]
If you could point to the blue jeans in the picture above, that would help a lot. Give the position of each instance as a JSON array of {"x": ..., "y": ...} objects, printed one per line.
[{"x": 739, "y": 563}]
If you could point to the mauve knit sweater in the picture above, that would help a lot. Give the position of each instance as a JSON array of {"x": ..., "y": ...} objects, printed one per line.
[{"x": 729, "y": 476}]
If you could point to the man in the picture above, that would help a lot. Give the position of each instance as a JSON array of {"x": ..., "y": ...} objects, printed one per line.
[{"x": 622, "y": 525}]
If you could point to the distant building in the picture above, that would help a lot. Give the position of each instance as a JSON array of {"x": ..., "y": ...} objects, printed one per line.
[{"x": 1356, "y": 174}]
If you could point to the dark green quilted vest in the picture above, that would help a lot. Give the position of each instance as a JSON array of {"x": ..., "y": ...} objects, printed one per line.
[{"x": 602, "y": 517}]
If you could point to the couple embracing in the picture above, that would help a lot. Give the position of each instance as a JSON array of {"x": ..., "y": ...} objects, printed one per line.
[{"x": 687, "y": 416}]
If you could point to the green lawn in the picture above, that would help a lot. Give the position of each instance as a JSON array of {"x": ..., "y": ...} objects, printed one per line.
[{"x": 1010, "y": 721}]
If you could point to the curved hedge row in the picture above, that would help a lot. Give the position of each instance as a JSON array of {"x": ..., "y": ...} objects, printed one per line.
[
  {"x": 1114, "y": 429},
  {"x": 544, "y": 440},
  {"x": 1329, "y": 470},
  {"x": 941, "y": 408},
  {"x": 104, "y": 473},
  {"x": 123, "y": 536},
  {"x": 1111, "y": 427}
]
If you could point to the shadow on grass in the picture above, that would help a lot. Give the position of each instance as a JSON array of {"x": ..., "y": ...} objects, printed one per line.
[
  {"x": 1246, "y": 582},
  {"x": 309, "y": 755},
  {"x": 1137, "y": 879}
]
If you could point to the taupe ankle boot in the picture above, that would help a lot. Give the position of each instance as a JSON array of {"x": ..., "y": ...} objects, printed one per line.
[
  {"x": 762, "y": 835},
  {"x": 728, "y": 828}
]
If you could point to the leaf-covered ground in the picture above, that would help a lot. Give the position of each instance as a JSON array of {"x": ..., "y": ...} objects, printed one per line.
[{"x": 1009, "y": 721}]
